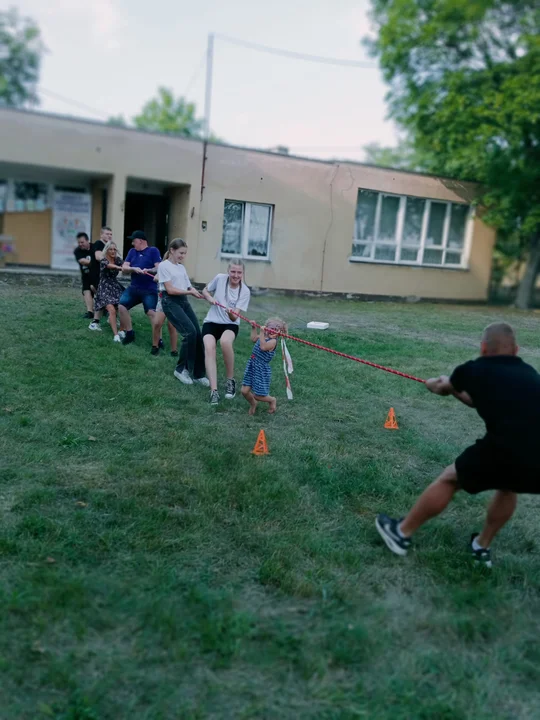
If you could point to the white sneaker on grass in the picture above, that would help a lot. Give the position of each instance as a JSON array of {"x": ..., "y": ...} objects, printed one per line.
[
  {"x": 94, "y": 326},
  {"x": 184, "y": 377},
  {"x": 121, "y": 334},
  {"x": 117, "y": 339},
  {"x": 205, "y": 382}
]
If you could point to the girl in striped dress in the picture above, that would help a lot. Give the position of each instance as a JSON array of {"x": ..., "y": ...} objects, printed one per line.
[{"x": 256, "y": 382}]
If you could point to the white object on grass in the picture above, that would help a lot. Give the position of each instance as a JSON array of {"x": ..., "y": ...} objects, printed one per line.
[{"x": 318, "y": 325}]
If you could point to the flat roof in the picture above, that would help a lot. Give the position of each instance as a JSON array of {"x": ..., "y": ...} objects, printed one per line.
[{"x": 273, "y": 153}]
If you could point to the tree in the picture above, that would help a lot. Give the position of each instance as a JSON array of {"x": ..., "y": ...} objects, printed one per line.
[
  {"x": 21, "y": 50},
  {"x": 465, "y": 85},
  {"x": 117, "y": 121},
  {"x": 168, "y": 114},
  {"x": 402, "y": 157}
]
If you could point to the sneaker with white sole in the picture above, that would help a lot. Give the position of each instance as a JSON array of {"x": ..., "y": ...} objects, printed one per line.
[
  {"x": 121, "y": 334},
  {"x": 94, "y": 326},
  {"x": 388, "y": 529},
  {"x": 230, "y": 391},
  {"x": 480, "y": 555},
  {"x": 205, "y": 382},
  {"x": 184, "y": 377},
  {"x": 214, "y": 397},
  {"x": 117, "y": 339}
]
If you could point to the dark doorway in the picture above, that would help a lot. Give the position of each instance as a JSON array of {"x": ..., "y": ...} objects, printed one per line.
[{"x": 149, "y": 213}]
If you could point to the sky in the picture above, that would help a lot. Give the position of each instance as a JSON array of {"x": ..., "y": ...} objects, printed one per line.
[{"x": 109, "y": 56}]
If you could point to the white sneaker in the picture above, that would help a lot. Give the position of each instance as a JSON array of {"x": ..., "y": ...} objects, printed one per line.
[
  {"x": 121, "y": 334},
  {"x": 205, "y": 382},
  {"x": 184, "y": 377},
  {"x": 117, "y": 339},
  {"x": 94, "y": 326}
]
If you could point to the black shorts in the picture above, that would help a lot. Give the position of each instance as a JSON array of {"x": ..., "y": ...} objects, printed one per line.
[
  {"x": 87, "y": 283},
  {"x": 485, "y": 466},
  {"x": 217, "y": 329}
]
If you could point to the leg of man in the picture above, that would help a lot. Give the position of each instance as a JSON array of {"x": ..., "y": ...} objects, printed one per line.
[
  {"x": 88, "y": 301},
  {"x": 431, "y": 502},
  {"x": 499, "y": 513},
  {"x": 227, "y": 348},
  {"x": 128, "y": 299},
  {"x": 210, "y": 360},
  {"x": 157, "y": 324},
  {"x": 125, "y": 317}
]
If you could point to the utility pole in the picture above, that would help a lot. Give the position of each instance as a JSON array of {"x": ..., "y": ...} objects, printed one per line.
[{"x": 208, "y": 93}]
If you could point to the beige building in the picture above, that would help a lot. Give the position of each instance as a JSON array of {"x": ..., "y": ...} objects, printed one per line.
[{"x": 299, "y": 224}]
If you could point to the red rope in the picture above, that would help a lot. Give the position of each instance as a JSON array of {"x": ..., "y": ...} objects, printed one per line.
[{"x": 321, "y": 347}]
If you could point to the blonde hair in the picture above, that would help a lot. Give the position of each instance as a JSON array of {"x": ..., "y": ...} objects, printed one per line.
[
  {"x": 176, "y": 244},
  {"x": 277, "y": 322},
  {"x": 108, "y": 246}
]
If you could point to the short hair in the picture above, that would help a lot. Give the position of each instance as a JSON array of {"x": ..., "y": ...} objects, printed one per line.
[
  {"x": 499, "y": 337},
  {"x": 106, "y": 227},
  {"x": 82, "y": 234}
]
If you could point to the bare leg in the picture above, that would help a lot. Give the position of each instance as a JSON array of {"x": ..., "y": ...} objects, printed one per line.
[
  {"x": 98, "y": 314},
  {"x": 226, "y": 342},
  {"x": 499, "y": 513},
  {"x": 88, "y": 301},
  {"x": 125, "y": 318},
  {"x": 272, "y": 402},
  {"x": 210, "y": 360},
  {"x": 250, "y": 397},
  {"x": 157, "y": 324},
  {"x": 432, "y": 501},
  {"x": 173, "y": 335},
  {"x": 112, "y": 318},
  {"x": 150, "y": 315}
]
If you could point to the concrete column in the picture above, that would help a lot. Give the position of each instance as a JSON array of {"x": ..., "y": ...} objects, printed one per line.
[{"x": 116, "y": 202}]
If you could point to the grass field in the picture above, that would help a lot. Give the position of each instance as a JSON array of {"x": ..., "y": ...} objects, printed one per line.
[{"x": 152, "y": 568}]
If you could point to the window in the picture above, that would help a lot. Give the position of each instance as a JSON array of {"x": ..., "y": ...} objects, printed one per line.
[
  {"x": 393, "y": 228},
  {"x": 247, "y": 229},
  {"x": 29, "y": 197}
]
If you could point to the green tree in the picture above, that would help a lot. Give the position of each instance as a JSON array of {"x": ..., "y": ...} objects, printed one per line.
[
  {"x": 117, "y": 121},
  {"x": 168, "y": 114},
  {"x": 403, "y": 156},
  {"x": 21, "y": 50},
  {"x": 464, "y": 83}
]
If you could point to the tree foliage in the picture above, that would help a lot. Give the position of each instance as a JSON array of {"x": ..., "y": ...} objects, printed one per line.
[
  {"x": 465, "y": 85},
  {"x": 168, "y": 114},
  {"x": 403, "y": 156},
  {"x": 21, "y": 50}
]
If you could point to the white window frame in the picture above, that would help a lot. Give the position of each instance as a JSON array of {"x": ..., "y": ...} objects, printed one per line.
[
  {"x": 400, "y": 224},
  {"x": 245, "y": 231}
]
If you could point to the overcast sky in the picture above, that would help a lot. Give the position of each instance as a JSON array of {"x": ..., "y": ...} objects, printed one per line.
[{"x": 111, "y": 55}]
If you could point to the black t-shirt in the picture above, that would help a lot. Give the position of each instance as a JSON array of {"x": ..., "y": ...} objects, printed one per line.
[
  {"x": 81, "y": 254},
  {"x": 94, "y": 265},
  {"x": 506, "y": 394}
]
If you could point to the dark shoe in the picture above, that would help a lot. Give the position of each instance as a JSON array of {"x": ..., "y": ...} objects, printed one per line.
[
  {"x": 230, "y": 391},
  {"x": 483, "y": 555},
  {"x": 161, "y": 346},
  {"x": 214, "y": 397},
  {"x": 154, "y": 350},
  {"x": 88, "y": 316},
  {"x": 388, "y": 530},
  {"x": 130, "y": 337},
  {"x": 174, "y": 353}
]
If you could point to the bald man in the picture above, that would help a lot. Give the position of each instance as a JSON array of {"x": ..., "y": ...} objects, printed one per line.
[{"x": 505, "y": 392}]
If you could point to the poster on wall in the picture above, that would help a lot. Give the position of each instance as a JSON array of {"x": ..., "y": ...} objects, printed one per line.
[{"x": 72, "y": 214}]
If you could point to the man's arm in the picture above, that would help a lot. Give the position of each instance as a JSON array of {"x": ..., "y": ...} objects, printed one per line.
[
  {"x": 85, "y": 261},
  {"x": 443, "y": 386}
]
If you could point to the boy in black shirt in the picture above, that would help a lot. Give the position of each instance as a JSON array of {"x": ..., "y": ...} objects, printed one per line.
[
  {"x": 505, "y": 392},
  {"x": 83, "y": 253}
]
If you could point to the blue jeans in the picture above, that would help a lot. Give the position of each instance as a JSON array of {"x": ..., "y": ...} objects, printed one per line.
[
  {"x": 134, "y": 296},
  {"x": 180, "y": 314}
]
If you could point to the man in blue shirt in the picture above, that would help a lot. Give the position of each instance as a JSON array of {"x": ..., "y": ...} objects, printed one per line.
[{"x": 141, "y": 262}]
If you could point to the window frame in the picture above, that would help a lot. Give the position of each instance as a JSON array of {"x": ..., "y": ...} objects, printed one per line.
[
  {"x": 422, "y": 246},
  {"x": 244, "y": 242}
]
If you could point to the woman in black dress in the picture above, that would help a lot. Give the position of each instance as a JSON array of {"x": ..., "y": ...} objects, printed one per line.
[{"x": 109, "y": 289}]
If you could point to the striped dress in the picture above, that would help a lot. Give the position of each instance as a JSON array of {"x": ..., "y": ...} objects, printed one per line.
[{"x": 258, "y": 371}]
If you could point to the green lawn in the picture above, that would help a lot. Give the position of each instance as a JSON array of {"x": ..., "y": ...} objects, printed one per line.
[{"x": 152, "y": 568}]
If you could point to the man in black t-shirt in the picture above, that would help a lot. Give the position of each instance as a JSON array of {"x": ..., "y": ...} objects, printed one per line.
[
  {"x": 105, "y": 236},
  {"x": 83, "y": 253},
  {"x": 505, "y": 392}
]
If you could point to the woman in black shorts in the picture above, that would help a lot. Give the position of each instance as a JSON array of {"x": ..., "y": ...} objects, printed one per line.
[{"x": 219, "y": 324}]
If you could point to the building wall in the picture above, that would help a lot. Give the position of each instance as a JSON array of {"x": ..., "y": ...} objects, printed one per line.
[{"x": 31, "y": 233}]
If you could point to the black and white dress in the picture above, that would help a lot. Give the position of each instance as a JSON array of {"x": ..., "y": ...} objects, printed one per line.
[{"x": 109, "y": 289}]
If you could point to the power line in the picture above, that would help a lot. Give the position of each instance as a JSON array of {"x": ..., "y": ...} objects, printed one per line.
[
  {"x": 75, "y": 103},
  {"x": 297, "y": 55},
  {"x": 195, "y": 75}
]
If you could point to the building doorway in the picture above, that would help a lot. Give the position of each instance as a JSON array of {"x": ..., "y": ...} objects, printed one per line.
[{"x": 149, "y": 213}]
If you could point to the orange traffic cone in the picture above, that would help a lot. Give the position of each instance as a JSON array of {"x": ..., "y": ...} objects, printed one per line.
[
  {"x": 391, "y": 422},
  {"x": 261, "y": 447}
]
